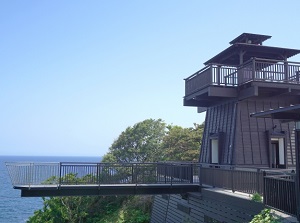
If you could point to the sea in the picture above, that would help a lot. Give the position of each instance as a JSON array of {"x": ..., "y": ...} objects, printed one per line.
[{"x": 13, "y": 207}]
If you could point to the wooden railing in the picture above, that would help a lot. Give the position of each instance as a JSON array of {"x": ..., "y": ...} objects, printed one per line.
[
  {"x": 212, "y": 74},
  {"x": 269, "y": 71},
  {"x": 253, "y": 70}
]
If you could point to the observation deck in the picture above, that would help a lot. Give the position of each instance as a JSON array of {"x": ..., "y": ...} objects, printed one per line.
[
  {"x": 243, "y": 70},
  {"x": 88, "y": 179},
  {"x": 80, "y": 179}
]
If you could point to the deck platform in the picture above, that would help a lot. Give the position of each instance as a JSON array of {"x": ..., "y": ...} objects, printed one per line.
[{"x": 104, "y": 190}]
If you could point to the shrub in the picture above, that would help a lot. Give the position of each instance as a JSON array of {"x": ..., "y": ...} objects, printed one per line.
[
  {"x": 256, "y": 197},
  {"x": 265, "y": 216}
]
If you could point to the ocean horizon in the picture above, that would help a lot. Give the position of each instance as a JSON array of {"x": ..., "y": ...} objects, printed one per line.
[{"x": 17, "y": 209}]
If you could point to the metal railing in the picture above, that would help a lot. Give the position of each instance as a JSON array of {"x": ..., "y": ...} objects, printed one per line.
[
  {"x": 278, "y": 188},
  {"x": 179, "y": 171},
  {"x": 279, "y": 192},
  {"x": 33, "y": 173},
  {"x": 247, "y": 180},
  {"x": 68, "y": 173},
  {"x": 253, "y": 70}
]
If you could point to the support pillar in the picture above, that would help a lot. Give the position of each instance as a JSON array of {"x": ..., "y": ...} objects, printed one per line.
[{"x": 297, "y": 180}]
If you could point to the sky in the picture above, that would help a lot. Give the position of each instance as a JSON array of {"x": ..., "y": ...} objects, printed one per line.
[{"x": 75, "y": 74}]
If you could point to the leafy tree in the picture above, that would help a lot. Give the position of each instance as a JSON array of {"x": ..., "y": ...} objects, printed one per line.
[
  {"x": 88, "y": 209},
  {"x": 147, "y": 141},
  {"x": 139, "y": 143},
  {"x": 182, "y": 144}
]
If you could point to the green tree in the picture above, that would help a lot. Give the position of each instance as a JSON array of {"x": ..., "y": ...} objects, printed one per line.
[
  {"x": 79, "y": 209},
  {"x": 182, "y": 144},
  {"x": 139, "y": 143},
  {"x": 147, "y": 141}
]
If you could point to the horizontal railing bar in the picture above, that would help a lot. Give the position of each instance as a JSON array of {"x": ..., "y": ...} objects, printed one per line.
[
  {"x": 196, "y": 73},
  {"x": 276, "y": 61}
]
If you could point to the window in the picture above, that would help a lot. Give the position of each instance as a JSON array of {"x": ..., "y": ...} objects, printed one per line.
[
  {"x": 277, "y": 153},
  {"x": 214, "y": 151},
  {"x": 216, "y": 141}
]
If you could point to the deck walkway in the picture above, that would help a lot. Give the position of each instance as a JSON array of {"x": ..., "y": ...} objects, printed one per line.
[
  {"x": 111, "y": 189},
  {"x": 83, "y": 179}
]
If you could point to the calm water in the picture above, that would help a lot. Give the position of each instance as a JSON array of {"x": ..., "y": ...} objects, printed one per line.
[{"x": 14, "y": 208}]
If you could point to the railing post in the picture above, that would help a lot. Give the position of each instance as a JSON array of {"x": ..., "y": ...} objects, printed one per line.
[
  {"x": 253, "y": 69},
  {"x": 297, "y": 76},
  {"x": 232, "y": 179},
  {"x": 297, "y": 182},
  {"x": 286, "y": 70},
  {"x": 218, "y": 74},
  {"x": 199, "y": 176},
  {"x": 59, "y": 179},
  {"x": 191, "y": 174},
  {"x": 171, "y": 173},
  {"x": 30, "y": 174},
  {"x": 257, "y": 181},
  {"x": 213, "y": 176},
  {"x": 98, "y": 174},
  {"x": 264, "y": 187},
  {"x": 165, "y": 168}
]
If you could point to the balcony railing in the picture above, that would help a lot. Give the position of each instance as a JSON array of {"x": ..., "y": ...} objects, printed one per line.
[
  {"x": 212, "y": 74},
  {"x": 61, "y": 174},
  {"x": 269, "y": 71},
  {"x": 277, "y": 187},
  {"x": 279, "y": 192},
  {"x": 254, "y": 70},
  {"x": 247, "y": 180}
]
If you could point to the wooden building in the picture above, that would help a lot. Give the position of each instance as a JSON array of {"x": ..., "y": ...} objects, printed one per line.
[{"x": 245, "y": 78}]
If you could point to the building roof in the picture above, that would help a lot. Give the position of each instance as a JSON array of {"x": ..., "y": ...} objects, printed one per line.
[
  {"x": 250, "y": 38},
  {"x": 250, "y": 45},
  {"x": 284, "y": 114}
]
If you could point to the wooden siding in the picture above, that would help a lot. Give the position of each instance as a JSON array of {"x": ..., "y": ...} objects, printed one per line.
[
  {"x": 207, "y": 205},
  {"x": 219, "y": 119},
  {"x": 245, "y": 139},
  {"x": 251, "y": 146}
]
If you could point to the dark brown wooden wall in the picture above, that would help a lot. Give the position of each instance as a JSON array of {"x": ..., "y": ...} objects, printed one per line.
[
  {"x": 251, "y": 145},
  {"x": 245, "y": 138},
  {"x": 218, "y": 119}
]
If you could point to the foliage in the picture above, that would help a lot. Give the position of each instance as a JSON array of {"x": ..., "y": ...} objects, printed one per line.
[
  {"x": 182, "y": 144},
  {"x": 76, "y": 209},
  {"x": 147, "y": 141},
  {"x": 138, "y": 209},
  {"x": 256, "y": 197},
  {"x": 265, "y": 216},
  {"x": 140, "y": 143}
]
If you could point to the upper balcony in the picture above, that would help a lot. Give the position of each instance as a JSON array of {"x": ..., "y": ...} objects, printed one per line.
[{"x": 254, "y": 77}]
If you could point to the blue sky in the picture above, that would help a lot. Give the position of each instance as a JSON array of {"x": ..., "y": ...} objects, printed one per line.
[{"x": 75, "y": 74}]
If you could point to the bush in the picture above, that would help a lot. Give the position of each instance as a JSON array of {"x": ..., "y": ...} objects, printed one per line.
[
  {"x": 265, "y": 216},
  {"x": 256, "y": 197}
]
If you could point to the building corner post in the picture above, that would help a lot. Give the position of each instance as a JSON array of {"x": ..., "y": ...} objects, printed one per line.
[{"x": 297, "y": 183}]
